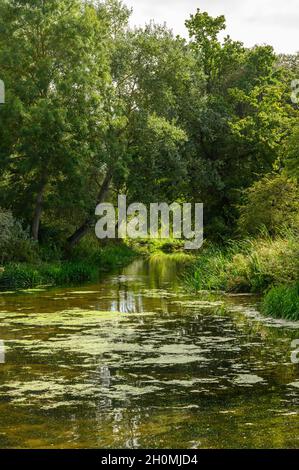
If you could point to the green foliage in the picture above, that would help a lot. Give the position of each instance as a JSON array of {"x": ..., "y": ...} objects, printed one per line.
[
  {"x": 23, "y": 276},
  {"x": 273, "y": 203},
  {"x": 205, "y": 29},
  {"x": 251, "y": 265},
  {"x": 282, "y": 302},
  {"x": 159, "y": 246},
  {"x": 54, "y": 65},
  {"x": 68, "y": 273},
  {"x": 15, "y": 242},
  {"x": 106, "y": 257},
  {"x": 291, "y": 154},
  {"x": 94, "y": 108},
  {"x": 114, "y": 256},
  {"x": 85, "y": 266},
  {"x": 237, "y": 121},
  {"x": 151, "y": 69}
]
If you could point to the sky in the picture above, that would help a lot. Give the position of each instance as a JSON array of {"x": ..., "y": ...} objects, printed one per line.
[{"x": 274, "y": 22}]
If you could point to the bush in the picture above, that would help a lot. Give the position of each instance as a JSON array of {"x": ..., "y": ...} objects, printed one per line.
[
  {"x": 291, "y": 154},
  {"x": 272, "y": 202},
  {"x": 113, "y": 256},
  {"x": 19, "y": 276},
  {"x": 282, "y": 302},
  {"x": 23, "y": 276},
  {"x": 68, "y": 273},
  {"x": 75, "y": 271},
  {"x": 15, "y": 242},
  {"x": 104, "y": 257},
  {"x": 148, "y": 246}
]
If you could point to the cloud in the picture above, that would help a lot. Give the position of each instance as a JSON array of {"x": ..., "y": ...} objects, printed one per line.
[{"x": 277, "y": 20}]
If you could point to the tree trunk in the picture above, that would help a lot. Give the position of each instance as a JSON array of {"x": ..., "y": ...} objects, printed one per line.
[
  {"x": 84, "y": 228},
  {"x": 38, "y": 211}
]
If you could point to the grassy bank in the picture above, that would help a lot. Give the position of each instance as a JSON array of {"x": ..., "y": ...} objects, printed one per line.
[
  {"x": 282, "y": 302},
  {"x": 85, "y": 265},
  {"x": 262, "y": 265},
  {"x": 42, "y": 265}
]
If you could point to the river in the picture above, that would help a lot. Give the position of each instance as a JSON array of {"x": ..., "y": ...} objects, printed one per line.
[{"x": 136, "y": 361}]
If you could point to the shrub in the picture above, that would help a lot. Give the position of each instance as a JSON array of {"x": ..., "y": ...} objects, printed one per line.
[
  {"x": 24, "y": 276},
  {"x": 272, "y": 202},
  {"x": 68, "y": 273},
  {"x": 15, "y": 242},
  {"x": 148, "y": 246},
  {"x": 19, "y": 276},
  {"x": 104, "y": 257},
  {"x": 113, "y": 256},
  {"x": 291, "y": 154}
]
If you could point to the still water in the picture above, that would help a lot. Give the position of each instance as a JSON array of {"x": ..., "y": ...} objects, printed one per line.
[{"x": 135, "y": 361}]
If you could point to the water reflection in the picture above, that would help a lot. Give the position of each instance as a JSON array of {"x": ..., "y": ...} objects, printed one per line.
[{"x": 135, "y": 361}]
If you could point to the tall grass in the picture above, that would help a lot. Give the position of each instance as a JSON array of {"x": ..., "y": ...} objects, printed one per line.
[
  {"x": 252, "y": 265},
  {"x": 262, "y": 265},
  {"x": 23, "y": 276},
  {"x": 282, "y": 302},
  {"x": 84, "y": 266}
]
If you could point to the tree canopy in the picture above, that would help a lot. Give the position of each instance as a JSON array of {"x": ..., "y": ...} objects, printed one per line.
[{"x": 94, "y": 107}]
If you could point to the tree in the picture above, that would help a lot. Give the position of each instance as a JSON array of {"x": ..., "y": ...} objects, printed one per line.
[
  {"x": 149, "y": 67},
  {"x": 237, "y": 131},
  {"x": 94, "y": 108},
  {"x": 54, "y": 64},
  {"x": 273, "y": 203},
  {"x": 291, "y": 154}
]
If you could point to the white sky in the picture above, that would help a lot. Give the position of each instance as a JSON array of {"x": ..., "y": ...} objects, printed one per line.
[{"x": 274, "y": 22}]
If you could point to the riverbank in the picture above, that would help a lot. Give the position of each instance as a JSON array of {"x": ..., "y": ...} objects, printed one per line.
[
  {"x": 262, "y": 265},
  {"x": 47, "y": 267},
  {"x": 82, "y": 266}
]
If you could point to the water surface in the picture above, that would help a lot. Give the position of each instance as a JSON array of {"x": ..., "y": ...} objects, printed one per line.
[{"x": 135, "y": 361}]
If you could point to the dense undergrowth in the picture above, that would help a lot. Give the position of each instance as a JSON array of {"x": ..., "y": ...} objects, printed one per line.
[
  {"x": 262, "y": 265},
  {"x": 85, "y": 265}
]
